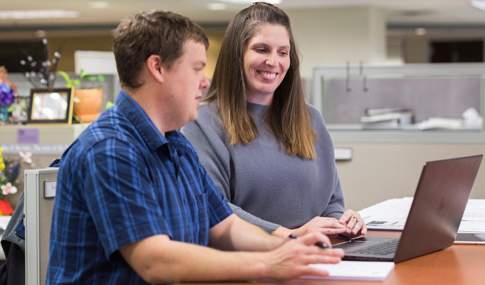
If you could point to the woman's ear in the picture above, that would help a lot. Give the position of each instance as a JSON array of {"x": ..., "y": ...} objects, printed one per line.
[{"x": 155, "y": 67}]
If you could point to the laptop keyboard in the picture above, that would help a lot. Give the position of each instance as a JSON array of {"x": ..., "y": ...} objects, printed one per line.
[{"x": 383, "y": 248}]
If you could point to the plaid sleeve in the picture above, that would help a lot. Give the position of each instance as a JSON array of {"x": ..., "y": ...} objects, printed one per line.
[{"x": 121, "y": 195}]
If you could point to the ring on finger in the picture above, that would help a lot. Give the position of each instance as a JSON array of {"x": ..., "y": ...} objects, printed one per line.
[{"x": 356, "y": 219}]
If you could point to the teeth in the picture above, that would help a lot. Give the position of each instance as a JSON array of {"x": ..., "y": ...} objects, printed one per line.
[{"x": 269, "y": 75}]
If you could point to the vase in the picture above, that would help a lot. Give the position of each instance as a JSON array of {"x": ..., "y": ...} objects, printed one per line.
[
  {"x": 5, "y": 208},
  {"x": 90, "y": 101},
  {"x": 4, "y": 113}
]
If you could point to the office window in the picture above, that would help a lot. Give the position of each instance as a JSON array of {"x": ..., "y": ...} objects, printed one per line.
[{"x": 456, "y": 51}]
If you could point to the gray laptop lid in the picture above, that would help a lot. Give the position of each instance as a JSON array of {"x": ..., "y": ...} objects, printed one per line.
[
  {"x": 439, "y": 203},
  {"x": 438, "y": 206}
]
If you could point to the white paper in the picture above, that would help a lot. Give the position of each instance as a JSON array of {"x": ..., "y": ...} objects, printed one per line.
[
  {"x": 4, "y": 221},
  {"x": 388, "y": 215},
  {"x": 355, "y": 270},
  {"x": 392, "y": 214}
]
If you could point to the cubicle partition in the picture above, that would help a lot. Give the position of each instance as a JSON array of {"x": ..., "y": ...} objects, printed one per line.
[
  {"x": 40, "y": 187},
  {"x": 387, "y": 157}
]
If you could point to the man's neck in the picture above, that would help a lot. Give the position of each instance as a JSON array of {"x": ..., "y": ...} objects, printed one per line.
[{"x": 151, "y": 103}]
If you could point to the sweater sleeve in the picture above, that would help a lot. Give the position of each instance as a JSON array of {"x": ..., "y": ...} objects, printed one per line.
[
  {"x": 336, "y": 206},
  {"x": 206, "y": 135}
]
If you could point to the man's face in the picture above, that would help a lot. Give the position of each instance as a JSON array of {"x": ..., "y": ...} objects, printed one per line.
[{"x": 185, "y": 81}]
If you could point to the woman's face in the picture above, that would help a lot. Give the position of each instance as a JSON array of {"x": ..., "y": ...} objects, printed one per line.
[{"x": 266, "y": 61}]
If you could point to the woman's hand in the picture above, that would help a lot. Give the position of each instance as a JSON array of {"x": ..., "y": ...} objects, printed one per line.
[
  {"x": 327, "y": 226},
  {"x": 353, "y": 222}
]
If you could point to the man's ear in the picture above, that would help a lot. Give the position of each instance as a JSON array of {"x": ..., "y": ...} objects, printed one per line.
[{"x": 155, "y": 67}]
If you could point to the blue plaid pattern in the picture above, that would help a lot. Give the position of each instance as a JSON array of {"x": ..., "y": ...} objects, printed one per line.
[{"x": 122, "y": 181}]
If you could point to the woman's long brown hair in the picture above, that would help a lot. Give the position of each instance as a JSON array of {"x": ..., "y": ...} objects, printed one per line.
[{"x": 288, "y": 115}]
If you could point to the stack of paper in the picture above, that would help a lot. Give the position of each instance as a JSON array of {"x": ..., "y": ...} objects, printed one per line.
[
  {"x": 392, "y": 214},
  {"x": 388, "y": 215},
  {"x": 355, "y": 270}
]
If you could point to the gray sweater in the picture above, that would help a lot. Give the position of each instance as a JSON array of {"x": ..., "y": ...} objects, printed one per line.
[{"x": 264, "y": 185}]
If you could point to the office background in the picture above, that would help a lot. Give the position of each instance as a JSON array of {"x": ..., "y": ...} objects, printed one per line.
[{"x": 329, "y": 33}]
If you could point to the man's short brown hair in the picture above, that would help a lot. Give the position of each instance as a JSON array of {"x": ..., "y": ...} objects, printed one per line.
[{"x": 147, "y": 33}]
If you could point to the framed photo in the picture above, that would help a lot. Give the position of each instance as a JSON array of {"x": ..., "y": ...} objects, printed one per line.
[
  {"x": 20, "y": 109},
  {"x": 51, "y": 105}
]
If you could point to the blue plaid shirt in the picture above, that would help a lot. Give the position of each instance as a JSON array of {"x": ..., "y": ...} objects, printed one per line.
[{"x": 122, "y": 181}]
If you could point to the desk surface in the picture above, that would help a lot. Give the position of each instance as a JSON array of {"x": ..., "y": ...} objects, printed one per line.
[{"x": 459, "y": 264}]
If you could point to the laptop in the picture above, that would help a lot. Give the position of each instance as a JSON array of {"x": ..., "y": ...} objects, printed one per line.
[{"x": 439, "y": 203}]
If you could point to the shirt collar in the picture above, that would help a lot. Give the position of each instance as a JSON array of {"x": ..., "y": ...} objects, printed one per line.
[
  {"x": 140, "y": 120},
  {"x": 144, "y": 125}
]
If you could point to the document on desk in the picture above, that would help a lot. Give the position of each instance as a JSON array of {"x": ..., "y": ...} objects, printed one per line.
[
  {"x": 388, "y": 215},
  {"x": 355, "y": 270},
  {"x": 392, "y": 214}
]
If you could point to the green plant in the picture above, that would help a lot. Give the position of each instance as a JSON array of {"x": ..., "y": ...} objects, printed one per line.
[{"x": 85, "y": 81}]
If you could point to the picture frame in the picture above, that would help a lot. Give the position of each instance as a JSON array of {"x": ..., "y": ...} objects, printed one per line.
[
  {"x": 50, "y": 106},
  {"x": 20, "y": 110}
]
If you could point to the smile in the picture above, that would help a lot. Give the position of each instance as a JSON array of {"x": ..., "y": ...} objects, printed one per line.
[{"x": 267, "y": 75}]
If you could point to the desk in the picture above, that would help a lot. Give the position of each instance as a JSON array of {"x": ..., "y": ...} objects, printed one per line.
[{"x": 459, "y": 264}]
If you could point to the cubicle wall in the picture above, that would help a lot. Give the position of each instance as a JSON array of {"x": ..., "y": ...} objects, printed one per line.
[
  {"x": 386, "y": 162},
  {"x": 381, "y": 171},
  {"x": 40, "y": 185}
]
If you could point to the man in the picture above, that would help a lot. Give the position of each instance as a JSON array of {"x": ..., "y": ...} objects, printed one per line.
[{"x": 133, "y": 203}]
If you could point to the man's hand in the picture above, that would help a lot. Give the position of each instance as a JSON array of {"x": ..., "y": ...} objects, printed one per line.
[{"x": 292, "y": 258}]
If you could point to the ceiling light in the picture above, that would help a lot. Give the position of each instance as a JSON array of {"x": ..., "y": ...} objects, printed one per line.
[
  {"x": 216, "y": 6},
  {"x": 251, "y": 1},
  {"x": 99, "y": 5},
  {"x": 37, "y": 14},
  {"x": 420, "y": 31}
]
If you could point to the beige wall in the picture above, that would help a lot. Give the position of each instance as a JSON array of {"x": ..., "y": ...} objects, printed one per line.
[
  {"x": 417, "y": 50},
  {"x": 378, "y": 172},
  {"x": 105, "y": 43},
  {"x": 215, "y": 41},
  {"x": 333, "y": 36},
  {"x": 71, "y": 44}
]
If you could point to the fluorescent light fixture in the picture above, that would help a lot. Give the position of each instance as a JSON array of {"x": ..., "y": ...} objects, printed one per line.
[
  {"x": 216, "y": 6},
  {"x": 420, "y": 31},
  {"x": 37, "y": 14},
  {"x": 479, "y": 4},
  {"x": 99, "y": 5},
  {"x": 251, "y": 1}
]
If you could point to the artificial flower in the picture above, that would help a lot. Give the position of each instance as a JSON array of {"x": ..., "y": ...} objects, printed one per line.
[
  {"x": 7, "y": 96},
  {"x": 8, "y": 189},
  {"x": 26, "y": 157}
]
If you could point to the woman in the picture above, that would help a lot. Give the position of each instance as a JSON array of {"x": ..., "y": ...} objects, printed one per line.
[{"x": 267, "y": 150}]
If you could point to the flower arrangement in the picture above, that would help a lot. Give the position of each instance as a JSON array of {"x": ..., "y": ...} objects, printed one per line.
[
  {"x": 7, "y": 96},
  {"x": 8, "y": 92},
  {"x": 9, "y": 172}
]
